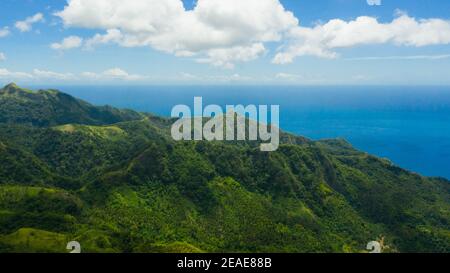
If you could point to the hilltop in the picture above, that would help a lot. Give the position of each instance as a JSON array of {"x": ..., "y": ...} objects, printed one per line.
[{"x": 51, "y": 107}]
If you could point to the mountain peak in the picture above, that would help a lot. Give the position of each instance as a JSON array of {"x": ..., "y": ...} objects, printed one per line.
[
  {"x": 13, "y": 88},
  {"x": 52, "y": 107},
  {"x": 12, "y": 85}
]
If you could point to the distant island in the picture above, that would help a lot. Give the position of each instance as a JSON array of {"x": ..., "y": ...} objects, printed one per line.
[{"x": 115, "y": 181}]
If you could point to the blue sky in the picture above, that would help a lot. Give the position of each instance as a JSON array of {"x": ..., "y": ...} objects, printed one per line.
[{"x": 402, "y": 42}]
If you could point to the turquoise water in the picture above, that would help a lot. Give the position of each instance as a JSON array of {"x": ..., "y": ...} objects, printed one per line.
[{"x": 408, "y": 125}]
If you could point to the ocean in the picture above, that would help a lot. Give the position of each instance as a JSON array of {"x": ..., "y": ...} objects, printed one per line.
[{"x": 408, "y": 125}]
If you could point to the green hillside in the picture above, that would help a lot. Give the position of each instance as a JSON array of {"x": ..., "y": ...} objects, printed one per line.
[
  {"x": 51, "y": 107},
  {"x": 115, "y": 181}
]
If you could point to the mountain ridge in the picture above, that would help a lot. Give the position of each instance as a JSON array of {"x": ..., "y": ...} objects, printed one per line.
[
  {"x": 126, "y": 186},
  {"x": 52, "y": 107}
]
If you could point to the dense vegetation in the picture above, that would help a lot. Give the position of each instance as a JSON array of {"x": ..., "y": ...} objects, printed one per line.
[{"x": 115, "y": 181}]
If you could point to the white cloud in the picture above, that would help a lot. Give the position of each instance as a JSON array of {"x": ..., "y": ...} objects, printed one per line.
[
  {"x": 117, "y": 73},
  {"x": 36, "y": 75},
  {"x": 90, "y": 75},
  {"x": 2, "y": 56},
  {"x": 222, "y": 33},
  {"x": 230, "y": 78},
  {"x": 215, "y": 31},
  {"x": 43, "y": 74},
  {"x": 39, "y": 74},
  {"x": 111, "y": 36},
  {"x": 211, "y": 78},
  {"x": 201, "y": 78},
  {"x": 287, "y": 76},
  {"x": 225, "y": 57},
  {"x": 322, "y": 40},
  {"x": 27, "y": 24},
  {"x": 108, "y": 75},
  {"x": 4, "y": 32},
  {"x": 68, "y": 43},
  {"x": 6, "y": 74},
  {"x": 413, "y": 57},
  {"x": 113, "y": 74}
]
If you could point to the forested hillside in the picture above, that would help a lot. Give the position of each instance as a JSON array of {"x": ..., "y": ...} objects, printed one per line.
[{"x": 115, "y": 181}]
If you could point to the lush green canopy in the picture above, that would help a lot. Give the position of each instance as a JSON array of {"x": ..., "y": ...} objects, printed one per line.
[{"x": 115, "y": 181}]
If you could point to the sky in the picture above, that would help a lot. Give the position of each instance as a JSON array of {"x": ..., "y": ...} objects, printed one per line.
[{"x": 255, "y": 42}]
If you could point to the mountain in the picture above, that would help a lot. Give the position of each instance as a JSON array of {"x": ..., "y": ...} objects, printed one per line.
[
  {"x": 51, "y": 107},
  {"x": 115, "y": 181}
]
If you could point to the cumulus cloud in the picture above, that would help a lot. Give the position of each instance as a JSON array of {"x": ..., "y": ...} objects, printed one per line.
[
  {"x": 27, "y": 24},
  {"x": 68, "y": 43},
  {"x": 323, "y": 40},
  {"x": 215, "y": 31},
  {"x": 2, "y": 56},
  {"x": 4, "y": 32},
  {"x": 111, "y": 36},
  {"x": 225, "y": 57},
  {"x": 223, "y": 33}
]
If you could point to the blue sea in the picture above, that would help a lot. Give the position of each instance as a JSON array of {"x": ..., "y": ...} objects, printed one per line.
[{"x": 408, "y": 125}]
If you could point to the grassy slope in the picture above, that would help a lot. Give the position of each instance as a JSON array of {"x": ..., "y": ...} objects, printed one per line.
[{"x": 126, "y": 186}]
